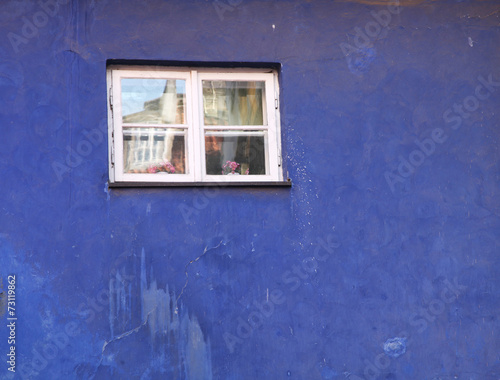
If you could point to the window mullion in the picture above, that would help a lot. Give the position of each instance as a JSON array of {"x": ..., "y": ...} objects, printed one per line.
[{"x": 195, "y": 130}]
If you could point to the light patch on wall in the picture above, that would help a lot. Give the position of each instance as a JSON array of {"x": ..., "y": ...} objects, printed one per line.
[
  {"x": 395, "y": 347},
  {"x": 179, "y": 347}
]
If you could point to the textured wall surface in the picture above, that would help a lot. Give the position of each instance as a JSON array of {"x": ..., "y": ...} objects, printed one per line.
[{"x": 380, "y": 262}]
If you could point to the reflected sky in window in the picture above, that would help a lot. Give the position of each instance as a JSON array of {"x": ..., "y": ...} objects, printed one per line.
[{"x": 137, "y": 91}]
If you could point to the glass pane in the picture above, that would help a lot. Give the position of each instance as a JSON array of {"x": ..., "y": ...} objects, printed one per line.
[
  {"x": 153, "y": 101},
  {"x": 235, "y": 152},
  {"x": 154, "y": 150},
  {"x": 233, "y": 102}
]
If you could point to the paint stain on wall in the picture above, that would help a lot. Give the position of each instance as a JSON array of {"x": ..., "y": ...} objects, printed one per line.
[{"x": 175, "y": 341}]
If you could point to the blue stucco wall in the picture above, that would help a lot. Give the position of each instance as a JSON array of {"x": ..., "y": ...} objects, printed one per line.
[{"x": 381, "y": 261}]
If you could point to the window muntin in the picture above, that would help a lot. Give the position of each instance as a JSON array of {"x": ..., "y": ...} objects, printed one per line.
[{"x": 192, "y": 125}]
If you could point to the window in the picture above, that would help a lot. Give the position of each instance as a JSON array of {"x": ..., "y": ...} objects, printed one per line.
[{"x": 192, "y": 125}]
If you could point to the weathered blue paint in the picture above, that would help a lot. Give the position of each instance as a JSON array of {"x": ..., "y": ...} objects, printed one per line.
[
  {"x": 391, "y": 228},
  {"x": 395, "y": 347}
]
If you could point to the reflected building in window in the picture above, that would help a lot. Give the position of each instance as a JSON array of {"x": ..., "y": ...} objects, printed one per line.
[{"x": 144, "y": 147}]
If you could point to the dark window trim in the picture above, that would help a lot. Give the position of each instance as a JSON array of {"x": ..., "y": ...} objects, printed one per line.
[
  {"x": 287, "y": 183},
  {"x": 201, "y": 64}
]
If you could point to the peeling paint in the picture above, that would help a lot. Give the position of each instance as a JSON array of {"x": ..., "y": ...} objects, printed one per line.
[
  {"x": 178, "y": 346},
  {"x": 395, "y": 347}
]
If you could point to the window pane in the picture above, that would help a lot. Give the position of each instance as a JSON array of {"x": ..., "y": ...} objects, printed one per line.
[
  {"x": 154, "y": 150},
  {"x": 233, "y": 102},
  {"x": 235, "y": 152},
  {"x": 153, "y": 101}
]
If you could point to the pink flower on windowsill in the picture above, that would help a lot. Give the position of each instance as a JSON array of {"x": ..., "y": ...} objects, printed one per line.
[
  {"x": 165, "y": 167},
  {"x": 153, "y": 169},
  {"x": 231, "y": 167}
]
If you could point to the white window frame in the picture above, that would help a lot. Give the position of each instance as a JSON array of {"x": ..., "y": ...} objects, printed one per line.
[{"x": 194, "y": 143}]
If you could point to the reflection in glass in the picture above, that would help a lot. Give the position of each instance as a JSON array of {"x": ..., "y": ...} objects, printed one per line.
[
  {"x": 241, "y": 152},
  {"x": 154, "y": 150},
  {"x": 153, "y": 101},
  {"x": 233, "y": 102}
]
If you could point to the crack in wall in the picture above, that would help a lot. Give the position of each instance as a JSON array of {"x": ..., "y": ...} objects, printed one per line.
[
  {"x": 192, "y": 262},
  {"x": 176, "y": 344},
  {"x": 121, "y": 336},
  {"x": 127, "y": 333}
]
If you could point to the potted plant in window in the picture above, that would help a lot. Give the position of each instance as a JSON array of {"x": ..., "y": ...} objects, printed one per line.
[
  {"x": 165, "y": 167},
  {"x": 231, "y": 168}
]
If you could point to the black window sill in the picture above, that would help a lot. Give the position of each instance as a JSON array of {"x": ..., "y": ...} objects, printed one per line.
[{"x": 287, "y": 183}]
